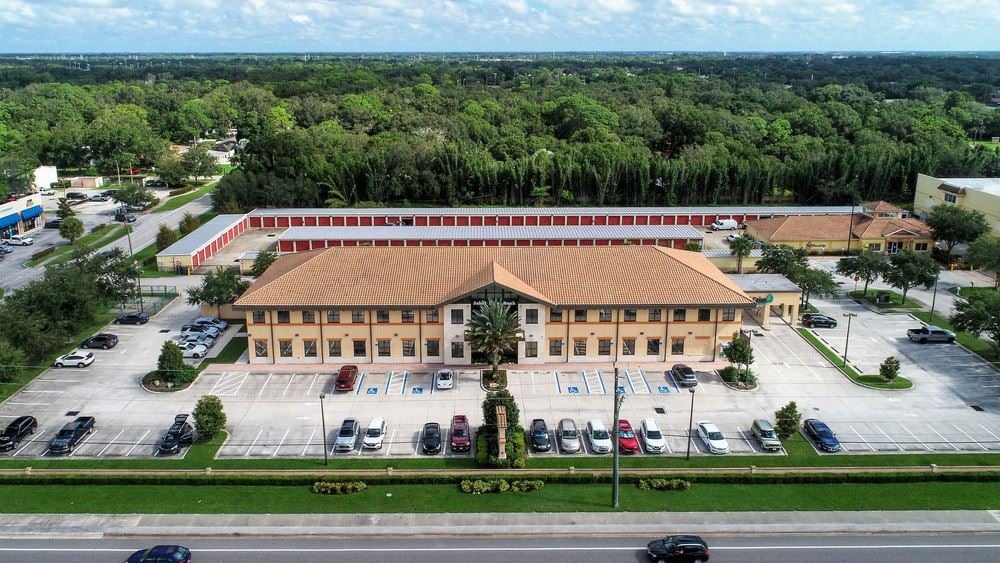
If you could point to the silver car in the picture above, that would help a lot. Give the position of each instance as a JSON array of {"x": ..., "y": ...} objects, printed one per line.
[{"x": 569, "y": 436}]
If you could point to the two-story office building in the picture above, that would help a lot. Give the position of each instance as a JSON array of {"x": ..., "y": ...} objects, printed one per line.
[{"x": 411, "y": 304}]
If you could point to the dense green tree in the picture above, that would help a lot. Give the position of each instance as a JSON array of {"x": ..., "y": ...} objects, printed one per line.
[
  {"x": 740, "y": 353},
  {"x": 787, "y": 420},
  {"x": 65, "y": 209},
  {"x": 220, "y": 287},
  {"x": 71, "y": 229},
  {"x": 740, "y": 247},
  {"x": 171, "y": 170},
  {"x": 165, "y": 236},
  {"x": 867, "y": 267},
  {"x": 782, "y": 259},
  {"x": 198, "y": 162},
  {"x": 209, "y": 417},
  {"x": 188, "y": 224},
  {"x": 170, "y": 366},
  {"x": 984, "y": 252},
  {"x": 955, "y": 225},
  {"x": 814, "y": 282},
  {"x": 13, "y": 361},
  {"x": 889, "y": 369},
  {"x": 262, "y": 262},
  {"x": 979, "y": 313},
  {"x": 134, "y": 194},
  {"x": 493, "y": 329},
  {"x": 909, "y": 269}
]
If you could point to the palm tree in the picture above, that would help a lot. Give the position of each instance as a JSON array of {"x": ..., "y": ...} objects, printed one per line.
[
  {"x": 740, "y": 248},
  {"x": 493, "y": 330}
]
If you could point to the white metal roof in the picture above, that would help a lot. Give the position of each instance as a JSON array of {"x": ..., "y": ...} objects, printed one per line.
[
  {"x": 757, "y": 283},
  {"x": 493, "y": 233},
  {"x": 202, "y": 236},
  {"x": 499, "y": 211},
  {"x": 987, "y": 185},
  {"x": 723, "y": 252}
]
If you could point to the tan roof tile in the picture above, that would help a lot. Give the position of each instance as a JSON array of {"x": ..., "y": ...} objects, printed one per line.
[{"x": 833, "y": 227}]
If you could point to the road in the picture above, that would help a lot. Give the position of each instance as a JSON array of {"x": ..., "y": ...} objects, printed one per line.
[{"x": 583, "y": 549}]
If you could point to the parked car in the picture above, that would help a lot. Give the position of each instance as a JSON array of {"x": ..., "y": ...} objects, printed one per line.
[
  {"x": 71, "y": 434},
  {"x": 76, "y": 358},
  {"x": 134, "y": 318},
  {"x": 16, "y": 431},
  {"x": 156, "y": 183},
  {"x": 103, "y": 341},
  {"x": 110, "y": 193},
  {"x": 180, "y": 434},
  {"x": 819, "y": 432},
  {"x": 461, "y": 434},
  {"x": 99, "y": 197},
  {"x": 5, "y": 248},
  {"x": 712, "y": 437},
  {"x": 346, "y": 378},
  {"x": 161, "y": 554},
  {"x": 652, "y": 438},
  {"x": 200, "y": 329},
  {"x": 430, "y": 438},
  {"x": 684, "y": 375},
  {"x": 538, "y": 436},
  {"x": 18, "y": 240},
  {"x": 568, "y": 436},
  {"x": 765, "y": 435},
  {"x": 444, "y": 379},
  {"x": 818, "y": 321},
  {"x": 53, "y": 223},
  {"x": 123, "y": 217},
  {"x": 197, "y": 338},
  {"x": 627, "y": 441},
  {"x": 347, "y": 436},
  {"x": 374, "y": 434},
  {"x": 678, "y": 549},
  {"x": 927, "y": 334},
  {"x": 732, "y": 237},
  {"x": 78, "y": 196},
  {"x": 600, "y": 438},
  {"x": 211, "y": 321},
  {"x": 46, "y": 191},
  {"x": 193, "y": 349}
]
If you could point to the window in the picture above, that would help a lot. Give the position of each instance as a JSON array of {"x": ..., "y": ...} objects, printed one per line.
[
  {"x": 677, "y": 346},
  {"x": 875, "y": 246},
  {"x": 579, "y": 346},
  {"x": 260, "y": 348},
  {"x": 333, "y": 316},
  {"x": 433, "y": 347},
  {"x": 457, "y": 318},
  {"x": 729, "y": 313},
  {"x": 603, "y": 346},
  {"x": 555, "y": 347},
  {"x": 409, "y": 348},
  {"x": 258, "y": 316},
  {"x": 680, "y": 315},
  {"x": 530, "y": 349},
  {"x": 432, "y": 316},
  {"x": 457, "y": 349},
  {"x": 407, "y": 315},
  {"x": 308, "y": 317},
  {"x": 555, "y": 316},
  {"x": 630, "y": 315},
  {"x": 285, "y": 346},
  {"x": 918, "y": 246},
  {"x": 704, "y": 315},
  {"x": 531, "y": 316},
  {"x": 628, "y": 346},
  {"x": 384, "y": 349},
  {"x": 360, "y": 349},
  {"x": 652, "y": 346},
  {"x": 284, "y": 317},
  {"x": 357, "y": 316},
  {"x": 580, "y": 316},
  {"x": 950, "y": 198},
  {"x": 309, "y": 348},
  {"x": 604, "y": 315},
  {"x": 655, "y": 314},
  {"x": 382, "y": 316},
  {"x": 333, "y": 347}
]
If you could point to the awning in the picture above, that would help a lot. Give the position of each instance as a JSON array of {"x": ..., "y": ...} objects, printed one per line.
[
  {"x": 9, "y": 220},
  {"x": 31, "y": 212}
]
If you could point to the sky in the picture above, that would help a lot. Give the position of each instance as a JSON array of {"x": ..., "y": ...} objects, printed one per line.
[{"x": 86, "y": 26}]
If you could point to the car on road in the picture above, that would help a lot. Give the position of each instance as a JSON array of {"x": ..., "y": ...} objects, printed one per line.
[
  {"x": 71, "y": 434},
  {"x": 430, "y": 438},
  {"x": 16, "y": 431},
  {"x": 444, "y": 379},
  {"x": 104, "y": 341},
  {"x": 211, "y": 321},
  {"x": 461, "y": 433},
  {"x": 628, "y": 443},
  {"x": 134, "y": 318},
  {"x": 712, "y": 437},
  {"x": 99, "y": 197},
  {"x": 123, "y": 217},
  {"x": 200, "y": 329},
  {"x": 568, "y": 436},
  {"x": 538, "y": 436},
  {"x": 678, "y": 549},
  {"x": 192, "y": 349},
  {"x": 684, "y": 375},
  {"x": 346, "y": 378},
  {"x": 77, "y": 358},
  {"x": 161, "y": 554},
  {"x": 765, "y": 435},
  {"x": 820, "y": 433},
  {"x": 347, "y": 436},
  {"x": 18, "y": 240},
  {"x": 600, "y": 438},
  {"x": 812, "y": 320},
  {"x": 374, "y": 434},
  {"x": 53, "y": 223},
  {"x": 180, "y": 434},
  {"x": 927, "y": 334},
  {"x": 652, "y": 438},
  {"x": 78, "y": 196}
]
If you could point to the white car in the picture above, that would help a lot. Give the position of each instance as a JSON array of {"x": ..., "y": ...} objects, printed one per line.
[
  {"x": 200, "y": 339},
  {"x": 18, "y": 240},
  {"x": 444, "y": 379},
  {"x": 375, "y": 434},
  {"x": 211, "y": 321},
  {"x": 652, "y": 438},
  {"x": 712, "y": 437},
  {"x": 193, "y": 349},
  {"x": 600, "y": 438},
  {"x": 732, "y": 237},
  {"x": 77, "y": 358},
  {"x": 46, "y": 191}
]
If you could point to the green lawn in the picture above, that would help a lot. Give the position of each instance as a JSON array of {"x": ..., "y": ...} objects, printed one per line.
[
  {"x": 982, "y": 348},
  {"x": 184, "y": 199},
  {"x": 872, "y": 380},
  {"x": 106, "y": 234},
  {"x": 896, "y": 299},
  {"x": 967, "y": 291}
]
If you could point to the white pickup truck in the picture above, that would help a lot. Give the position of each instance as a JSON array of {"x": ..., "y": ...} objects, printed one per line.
[{"x": 927, "y": 334}]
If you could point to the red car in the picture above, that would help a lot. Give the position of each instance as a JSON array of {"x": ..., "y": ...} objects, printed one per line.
[
  {"x": 461, "y": 434},
  {"x": 627, "y": 441},
  {"x": 346, "y": 378}
]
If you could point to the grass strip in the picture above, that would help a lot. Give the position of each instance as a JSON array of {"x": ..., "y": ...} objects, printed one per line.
[
  {"x": 106, "y": 234},
  {"x": 981, "y": 348},
  {"x": 895, "y": 299},
  {"x": 184, "y": 199},
  {"x": 874, "y": 381}
]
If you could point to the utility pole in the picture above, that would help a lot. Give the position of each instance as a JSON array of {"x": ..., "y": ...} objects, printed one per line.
[
  {"x": 618, "y": 398},
  {"x": 847, "y": 339},
  {"x": 322, "y": 415},
  {"x": 690, "y": 424}
]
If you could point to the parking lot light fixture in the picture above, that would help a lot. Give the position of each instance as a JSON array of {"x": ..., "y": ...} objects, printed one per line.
[
  {"x": 619, "y": 398},
  {"x": 847, "y": 339},
  {"x": 690, "y": 424},
  {"x": 322, "y": 416}
]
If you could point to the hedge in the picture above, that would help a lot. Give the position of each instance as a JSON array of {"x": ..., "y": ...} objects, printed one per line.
[
  {"x": 180, "y": 191},
  {"x": 96, "y": 228},
  {"x": 664, "y": 484},
  {"x": 479, "y": 486},
  {"x": 43, "y": 253},
  {"x": 337, "y": 488}
]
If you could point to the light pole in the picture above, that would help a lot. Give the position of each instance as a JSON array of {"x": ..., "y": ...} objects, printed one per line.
[
  {"x": 135, "y": 264},
  {"x": 619, "y": 399},
  {"x": 322, "y": 416},
  {"x": 847, "y": 339},
  {"x": 690, "y": 424},
  {"x": 934, "y": 295}
]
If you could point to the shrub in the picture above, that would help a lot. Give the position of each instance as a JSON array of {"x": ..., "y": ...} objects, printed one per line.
[
  {"x": 209, "y": 418},
  {"x": 188, "y": 224},
  {"x": 889, "y": 369},
  {"x": 664, "y": 484},
  {"x": 348, "y": 488},
  {"x": 180, "y": 191},
  {"x": 480, "y": 486},
  {"x": 729, "y": 374},
  {"x": 165, "y": 236},
  {"x": 98, "y": 227},
  {"x": 787, "y": 420},
  {"x": 43, "y": 253}
]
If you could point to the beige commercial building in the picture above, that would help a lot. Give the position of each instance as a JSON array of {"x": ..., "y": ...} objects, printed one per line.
[
  {"x": 348, "y": 305},
  {"x": 980, "y": 194}
]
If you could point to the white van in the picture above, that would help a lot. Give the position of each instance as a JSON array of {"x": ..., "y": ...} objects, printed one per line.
[{"x": 725, "y": 225}]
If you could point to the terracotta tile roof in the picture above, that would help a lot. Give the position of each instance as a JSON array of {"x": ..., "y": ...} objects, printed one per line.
[
  {"x": 835, "y": 227},
  {"x": 430, "y": 276},
  {"x": 890, "y": 226},
  {"x": 881, "y": 207}
]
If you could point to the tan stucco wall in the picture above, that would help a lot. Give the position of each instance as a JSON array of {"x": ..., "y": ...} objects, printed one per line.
[
  {"x": 782, "y": 301},
  {"x": 927, "y": 195},
  {"x": 840, "y": 246},
  {"x": 729, "y": 264},
  {"x": 169, "y": 263}
]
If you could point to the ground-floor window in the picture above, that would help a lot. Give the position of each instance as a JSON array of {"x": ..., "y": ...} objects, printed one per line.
[
  {"x": 628, "y": 346},
  {"x": 309, "y": 348},
  {"x": 285, "y": 346},
  {"x": 409, "y": 348},
  {"x": 530, "y": 349},
  {"x": 334, "y": 347},
  {"x": 360, "y": 349},
  {"x": 260, "y": 348},
  {"x": 677, "y": 346},
  {"x": 383, "y": 345},
  {"x": 603, "y": 346},
  {"x": 555, "y": 347},
  {"x": 433, "y": 347},
  {"x": 875, "y": 246},
  {"x": 652, "y": 346},
  {"x": 457, "y": 349},
  {"x": 579, "y": 346},
  {"x": 729, "y": 313},
  {"x": 920, "y": 246}
]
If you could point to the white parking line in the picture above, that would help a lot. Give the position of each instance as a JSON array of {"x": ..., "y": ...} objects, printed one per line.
[
  {"x": 56, "y": 381},
  {"x": 417, "y": 446},
  {"x": 254, "y": 442},
  {"x": 31, "y": 441},
  {"x": 970, "y": 437},
  {"x": 309, "y": 441},
  {"x": 918, "y": 440},
  {"x": 990, "y": 432},
  {"x": 862, "y": 437},
  {"x": 281, "y": 442},
  {"x": 33, "y": 391},
  {"x": 110, "y": 443},
  {"x": 289, "y": 384},
  {"x": 136, "y": 445},
  {"x": 309, "y": 392},
  {"x": 391, "y": 437},
  {"x": 82, "y": 442},
  {"x": 943, "y": 439},
  {"x": 742, "y": 435},
  {"x": 30, "y": 404},
  {"x": 888, "y": 438},
  {"x": 266, "y": 381}
]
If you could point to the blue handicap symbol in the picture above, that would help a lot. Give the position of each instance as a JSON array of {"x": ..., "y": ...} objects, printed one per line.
[
  {"x": 663, "y": 389},
  {"x": 621, "y": 390},
  {"x": 372, "y": 391},
  {"x": 573, "y": 389},
  {"x": 417, "y": 390}
]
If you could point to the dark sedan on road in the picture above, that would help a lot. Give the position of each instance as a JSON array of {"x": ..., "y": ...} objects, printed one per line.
[
  {"x": 819, "y": 432},
  {"x": 819, "y": 321},
  {"x": 103, "y": 341},
  {"x": 132, "y": 319},
  {"x": 430, "y": 441},
  {"x": 161, "y": 554},
  {"x": 679, "y": 549}
]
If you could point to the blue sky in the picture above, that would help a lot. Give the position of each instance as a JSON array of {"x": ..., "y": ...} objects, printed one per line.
[{"x": 497, "y": 25}]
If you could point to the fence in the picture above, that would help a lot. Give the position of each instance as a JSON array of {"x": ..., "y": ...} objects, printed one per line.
[{"x": 159, "y": 290}]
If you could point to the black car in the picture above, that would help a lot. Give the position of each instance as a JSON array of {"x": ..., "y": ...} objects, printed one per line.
[
  {"x": 70, "y": 436},
  {"x": 53, "y": 223},
  {"x": 431, "y": 441},
  {"x": 103, "y": 341},
  {"x": 680, "y": 549},
  {"x": 78, "y": 196},
  {"x": 540, "y": 436},
  {"x": 820, "y": 433},
  {"x": 155, "y": 184},
  {"x": 124, "y": 217},
  {"x": 161, "y": 554},
  {"x": 179, "y": 435},
  {"x": 16, "y": 430},
  {"x": 135, "y": 318},
  {"x": 819, "y": 321}
]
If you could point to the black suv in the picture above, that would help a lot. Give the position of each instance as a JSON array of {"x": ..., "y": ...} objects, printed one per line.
[
  {"x": 680, "y": 549},
  {"x": 103, "y": 341},
  {"x": 123, "y": 217},
  {"x": 540, "y": 436},
  {"x": 431, "y": 441},
  {"x": 16, "y": 430},
  {"x": 819, "y": 321},
  {"x": 69, "y": 437},
  {"x": 132, "y": 319},
  {"x": 179, "y": 435}
]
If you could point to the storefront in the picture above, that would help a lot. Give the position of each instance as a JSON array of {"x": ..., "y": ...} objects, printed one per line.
[{"x": 20, "y": 216}]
